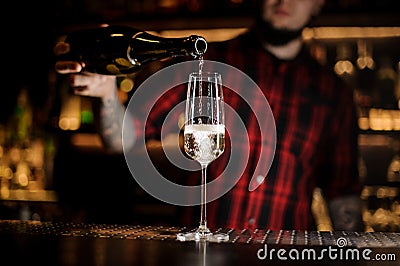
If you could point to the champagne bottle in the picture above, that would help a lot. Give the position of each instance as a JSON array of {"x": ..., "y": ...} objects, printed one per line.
[{"x": 122, "y": 50}]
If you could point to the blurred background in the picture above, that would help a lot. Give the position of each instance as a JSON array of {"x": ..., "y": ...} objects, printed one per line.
[{"x": 52, "y": 166}]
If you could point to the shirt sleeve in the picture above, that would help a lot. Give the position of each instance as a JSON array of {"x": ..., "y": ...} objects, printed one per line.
[{"x": 338, "y": 175}]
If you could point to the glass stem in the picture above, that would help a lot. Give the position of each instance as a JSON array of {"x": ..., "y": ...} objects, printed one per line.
[{"x": 203, "y": 215}]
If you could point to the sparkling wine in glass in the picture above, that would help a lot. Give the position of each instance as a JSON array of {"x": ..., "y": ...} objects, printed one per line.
[{"x": 204, "y": 138}]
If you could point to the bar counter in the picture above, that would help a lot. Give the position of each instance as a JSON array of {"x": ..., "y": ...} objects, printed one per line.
[{"x": 54, "y": 243}]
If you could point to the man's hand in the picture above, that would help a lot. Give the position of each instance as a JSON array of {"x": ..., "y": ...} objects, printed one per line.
[
  {"x": 346, "y": 213},
  {"x": 65, "y": 67},
  {"x": 84, "y": 83}
]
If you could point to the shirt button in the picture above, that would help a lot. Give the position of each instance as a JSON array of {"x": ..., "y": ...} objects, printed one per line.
[
  {"x": 260, "y": 179},
  {"x": 252, "y": 221}
]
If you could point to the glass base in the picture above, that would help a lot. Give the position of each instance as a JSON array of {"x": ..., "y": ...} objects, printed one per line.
[{"x": 202, "y": 235}]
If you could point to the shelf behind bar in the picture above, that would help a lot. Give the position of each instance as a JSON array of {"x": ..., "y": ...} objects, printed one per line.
[{"x": 29, "y": 195}]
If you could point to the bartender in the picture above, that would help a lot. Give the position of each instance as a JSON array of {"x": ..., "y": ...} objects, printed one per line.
[{"x": 314, "y": 112}]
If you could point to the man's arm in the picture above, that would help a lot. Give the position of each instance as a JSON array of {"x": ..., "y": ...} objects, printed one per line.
[
  {"x": 117, "y": 133},
  {"x": 340, "y": 178},
  {"x": 111, "y": 110}
]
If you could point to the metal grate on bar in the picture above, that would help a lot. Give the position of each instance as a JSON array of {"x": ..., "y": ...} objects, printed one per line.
[{"x": 245, "y": 236}]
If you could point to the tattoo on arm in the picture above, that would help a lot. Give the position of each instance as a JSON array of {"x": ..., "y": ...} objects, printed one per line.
[{"x": 111, "y": 119}]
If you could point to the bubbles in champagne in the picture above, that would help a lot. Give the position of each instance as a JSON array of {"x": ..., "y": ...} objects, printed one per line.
[{"x": 204, "y": 143}]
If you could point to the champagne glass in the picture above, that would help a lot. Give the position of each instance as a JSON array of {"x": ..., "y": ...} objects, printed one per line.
[{"x": 204, "y": 135}]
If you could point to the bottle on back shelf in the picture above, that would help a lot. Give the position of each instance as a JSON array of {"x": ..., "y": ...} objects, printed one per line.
[{"x": 122, "y": 50}]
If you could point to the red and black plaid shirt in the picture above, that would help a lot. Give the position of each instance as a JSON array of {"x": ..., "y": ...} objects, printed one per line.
[{"x": 316, "y": 139}]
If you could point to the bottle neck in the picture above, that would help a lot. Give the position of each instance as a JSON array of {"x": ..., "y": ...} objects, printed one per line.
[{"x": 145, "y": 47}]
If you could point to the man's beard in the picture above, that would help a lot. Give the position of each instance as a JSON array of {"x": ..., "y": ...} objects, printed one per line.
[{"x": 274, "y": 36}]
